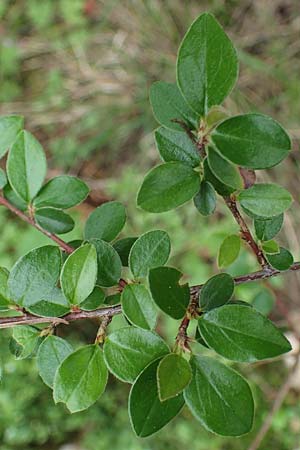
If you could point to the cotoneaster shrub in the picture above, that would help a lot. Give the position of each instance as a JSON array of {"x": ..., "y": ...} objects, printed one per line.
[{"x": 205, "y": 153}]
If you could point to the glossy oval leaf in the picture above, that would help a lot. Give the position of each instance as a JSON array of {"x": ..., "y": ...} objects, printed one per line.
[
  {"x": 207, "y": 65},
  {"x": 267, "y": 229},
  {"x": 265, "y": 200},
  {"x": 224, "y": 170},
  {"x": 282, "y": 260},
  {"x": 216, "y": 291},
  {"x": 176, "y": 146},
  {"x": 49, "y": 304},
  {"x": 10, "y": 126},
  {"x": 147, "y": 413},
  {"x": 109, "y": 264},
  {"x": 229, "y": 250},
  {"x": 252, "y": 140},
  {"x": 138, "y": 306},
  {"x": 105, "y": 222},
  {"x": 13, "y": 198},
  {"x": 242, "y": 334},
  {"x": 173, "y": 375},
  {"x": 150, "y": 250},
  {"x": 219, "y": 397},
  {"x": 205, "y": 199},
  {"x": 167, "y": 186},
  {"x": 129, "y": 350},
  {"x": 54, "y": 220}
]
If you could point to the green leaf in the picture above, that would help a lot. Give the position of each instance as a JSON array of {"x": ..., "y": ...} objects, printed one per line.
[
  {"x": 265, "y": 200},
  {"x": 173, "y": 375},
  {"x": 267, "y": 229},
  {"x": 51, "y": 353},
  {"x": 78, "y": 275},
  {"x": 242, "y": 334},
  {"x": 167, "y": 186},
  {"x": 81, "y": 378},
  {"x": 205, "y": 199},
  {"x": 50, "y": 304},
  {"x": 13, "y": 198},
  {"x": 168, "y": 103},
  {"x": 222, "y": 169},
  {"x": 254, "y": 141},
  {"x": 4, "y": 294},
  {"x": 221, "y": 188},
  {"x": 26, "y": 166},
  {"x": 94, "y": 300},
  {"x": 271, "y": 247},
  {"x": 264, "y": 301},
  {"x": 207, "y": 65},
  {"x": 229, "y": 250},
  {"x": 3, "y": 179},
  {"x": 171, "y": 297},
  {"x": 109, "y": 264},
  {"x": 34, "y": 275},
  {"x": 176, "y": 146},
  {"x": 105, "y": 222},
  {"x": 62, "y": 192},
  {"x": 151, "y": 250},
  {"x": 138, "y": 306},
  {"x": 54, "y": 220},
  {"x": 113, "y": 299},
  {"x": 281, "y": 261},
  {"x": 9, "y": 129},
  {"x": 123, "y": 247},
  {"x": 129, "y": 350},
  {"x": 27, "y": 339},
  {"x": 216, "y": 291},
  {"x": 219, "y": 397},
  {"x": 147, "y": 413}
]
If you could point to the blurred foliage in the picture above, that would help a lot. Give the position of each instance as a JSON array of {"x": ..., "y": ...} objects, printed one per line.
[{"x": 79, "y": 71}]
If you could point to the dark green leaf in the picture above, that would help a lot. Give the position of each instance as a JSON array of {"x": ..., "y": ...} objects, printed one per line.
[
  {"x": 113, "y": 299},
  {"x": 281, "y": 261},
  {"x": 78, "y": 275},
  {"x": 171, "y": 297},
  {"x": 123, "y": 247},
  {"x": 94, "y": 300},
  {"x": 26, "y": 166},
  {"x": 229, "y": 250},
  {"x": 13, "y": 198},
  {"x": 81, "y": 378},
  {"x": 207, "y": 64},
  {"x": 216, "y": 291},
  {"x": 221, "y": 188},
  {"x": 9, "y": 129},
  {"x": 219, "y": 398},
  {"x": 150, "y": 250},
  {"x": 50, "y": 304},
  {"x": 168, "y": 103},
  {"x": 242, "y": 334},
  {"x": 27, "y": 339},
  {"x": 265, "y": 200},
  {"x": 129, "y": 350},
  {"x": 205, "y": 199},
  {"x": 3, "y": 179},
  {"x": 109, "y": 264},
  {"x": 167, "y": 186},
  {"x": 252, "y": 140},
  {"x": 51, "y": 353},
  {"x": 173, "y": 375},
  {"x": 105, "y": 222},
  {"x": 267, "y": 229},
  {"x": 147, "y": 413},
  {"x": 54, "y": 220},
  {"x": 223, "y": 170},
  {"x": 138, "y": 306},
  {"x": 176, "y": 146}
]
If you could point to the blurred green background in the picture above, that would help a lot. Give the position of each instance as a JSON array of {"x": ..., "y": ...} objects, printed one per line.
[{"x": 80, "y": 71}]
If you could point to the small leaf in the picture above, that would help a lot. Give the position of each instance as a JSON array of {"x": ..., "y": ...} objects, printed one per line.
[
  {"x": 34, "y": 275},
  {"x": 10, "y": 126},
  {"x": 271, "y": 247},
  {"x": 221, "y": 188},
  {"x": 151, "y": 250},
  {"x": 129, "y": 350},
  {"x": 62, "y": 192},
  {"x": 242, "y": 334},
  {"x": 54, "y": 220},
  {"x": 229, "y": 250},
  {"x": 168, "y": 104},
  {"x": 50, "y": 304},
  {"x": 252, "y": 140},
  {"x": 3, "y": 179},
  {"x": 27, "y": 339},
  {"x": 167, "y": 186},
  {"x": 105, "y": 222},
  {"x": 87, "y": 381},
  {"x": 123, "y": 247},
  {"x": 51, "y": 353},
  {"x": 138, "y": 306},
  {"x": 94, "y": 300},
  {"x": 207, "y": 64},
  {"x": 176, "y": 146},
  {"x": 147, "y": 413},
  {"x": 222, "y": 169},
  {"x": 26, "y": 166},
  {"x": 171, "y": 297},
  {"x": 267, "y": 229},
  {"x": 281, "y": 261},
  {"x": 78, "y": 275},
  {"x": 13, "y": 198},
  {"x": 109, "y": 264},
  {"x": 219, "y": 398},
  {"x": 173, "y": 375},
  {"x": 265, "y": 200},
  {"x": 216, "y": 291},
  {"x": 264, "y": 301},
  {"x": 205, "y": 199}
]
